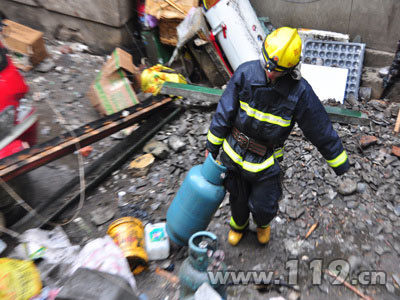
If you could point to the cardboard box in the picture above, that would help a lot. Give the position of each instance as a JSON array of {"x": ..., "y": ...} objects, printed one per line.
[
  {"x": 112, "y": 91},
  {"x": 170, "y": 16},
  {"x": 162, "y": 9},
  {"x": 26, "y": 44}
]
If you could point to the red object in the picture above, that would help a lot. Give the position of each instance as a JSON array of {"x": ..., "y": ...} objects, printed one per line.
[
  {"x": 224, "y": 30},
  {"x": 11, "y": 148},
  {"x": 367, "y": 140},
  {"x": 85, "y": 151},
  {"x": 396, "y": 151},
  {"x": 12, "y": 86},
  {"x": 214, "y": 42},
  {"x": 12, "y": 89}
]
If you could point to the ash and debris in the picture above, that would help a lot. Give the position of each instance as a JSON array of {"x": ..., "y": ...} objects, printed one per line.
[{"x": 358, "y": 214}]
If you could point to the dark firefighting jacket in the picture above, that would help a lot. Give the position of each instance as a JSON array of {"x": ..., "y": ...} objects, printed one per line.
[{"x": 267, "y": 114}]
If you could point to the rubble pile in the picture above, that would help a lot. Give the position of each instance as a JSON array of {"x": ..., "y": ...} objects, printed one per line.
[{"x": 358, "y": 214}]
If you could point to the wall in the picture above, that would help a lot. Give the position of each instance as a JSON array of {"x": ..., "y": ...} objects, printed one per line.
[
  {"x": 376, "y": 21},
  {"x": 95, "y": 27},
  {"x": 109, "y": 12}
]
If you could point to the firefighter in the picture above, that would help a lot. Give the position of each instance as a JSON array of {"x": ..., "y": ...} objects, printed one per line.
[{"x": 255, "y": 115}]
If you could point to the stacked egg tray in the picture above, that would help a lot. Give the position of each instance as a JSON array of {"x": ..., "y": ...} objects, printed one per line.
[{"x": 337, "y": 54}]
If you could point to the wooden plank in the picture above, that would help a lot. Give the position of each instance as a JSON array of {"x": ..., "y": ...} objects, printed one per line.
[
  {"x": 35, "y": 157},
  {"x": 336, "y": 114},
  {"x": 397, "y": 126}
]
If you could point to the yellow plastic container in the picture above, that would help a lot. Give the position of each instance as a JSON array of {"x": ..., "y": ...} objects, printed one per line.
[
  {"x": 128, "y": 234},
  {"x": 19, "y": 279}
]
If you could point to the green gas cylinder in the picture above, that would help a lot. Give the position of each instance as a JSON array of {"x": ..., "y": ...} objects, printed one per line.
[{"x": 204, "y": 257}]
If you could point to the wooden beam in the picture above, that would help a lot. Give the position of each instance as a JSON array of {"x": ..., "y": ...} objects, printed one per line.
[
  {"x": 195, "y": 92},
  {"x": 39, "y": 155},
  {"x": 397, "y": 126}
]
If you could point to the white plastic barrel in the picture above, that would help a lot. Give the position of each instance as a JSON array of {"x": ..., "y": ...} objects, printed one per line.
[{"x": 238, "y": 30}]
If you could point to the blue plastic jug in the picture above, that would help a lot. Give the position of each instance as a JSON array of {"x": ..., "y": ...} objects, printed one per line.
[{"x": 196, "y": 202}]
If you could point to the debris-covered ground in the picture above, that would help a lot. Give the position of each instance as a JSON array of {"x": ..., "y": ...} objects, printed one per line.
[{"x": 357, "y": 215}]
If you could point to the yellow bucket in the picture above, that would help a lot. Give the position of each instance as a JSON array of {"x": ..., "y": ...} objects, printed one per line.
[{"x": 128, "y": 233}]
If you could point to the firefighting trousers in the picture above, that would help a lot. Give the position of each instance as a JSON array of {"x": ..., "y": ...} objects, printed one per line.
[{"x": 260, "y": 198}]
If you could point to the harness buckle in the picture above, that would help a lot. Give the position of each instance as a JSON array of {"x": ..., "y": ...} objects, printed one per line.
[{"x": 244, "y": 140}]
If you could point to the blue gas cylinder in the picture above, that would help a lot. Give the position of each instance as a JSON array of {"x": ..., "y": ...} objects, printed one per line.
[{"x": 196, "y": 202}]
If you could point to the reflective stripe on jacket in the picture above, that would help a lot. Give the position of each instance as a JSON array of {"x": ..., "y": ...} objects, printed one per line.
[{"x": 267, "y": 113}]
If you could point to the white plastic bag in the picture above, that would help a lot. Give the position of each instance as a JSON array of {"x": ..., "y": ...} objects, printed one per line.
[
  {"x": 51, "y": 245},
  {"x": 103, "y": 255}
]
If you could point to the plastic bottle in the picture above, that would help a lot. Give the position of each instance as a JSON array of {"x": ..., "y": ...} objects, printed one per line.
[
  {"x": 156, "y": 241},
  {"x": 121, "y": 199}
]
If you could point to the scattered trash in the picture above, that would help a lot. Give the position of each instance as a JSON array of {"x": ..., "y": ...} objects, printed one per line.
[
  {"x": 52, "y": 246},
  {"x": 196, "y": 202},
  {"x": 167, "y": 275},
  {"x": 102, "y": 254},
  {"x": 122, "y": 199},
  {"x": 19, "y": 279},
  {"x": 311, "y": 230},
  {"x": 127, "y": 234},
  {"x": 170, "y": 267},
  {"x": 85, "y": 151},
  {"x": 112, "y": 91},
  {"x": 156, "y": 241},
  {"x": 154, "y": 77},
  {"x": 26, "y": 43},
  {"x": 96, "y": 285}
]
